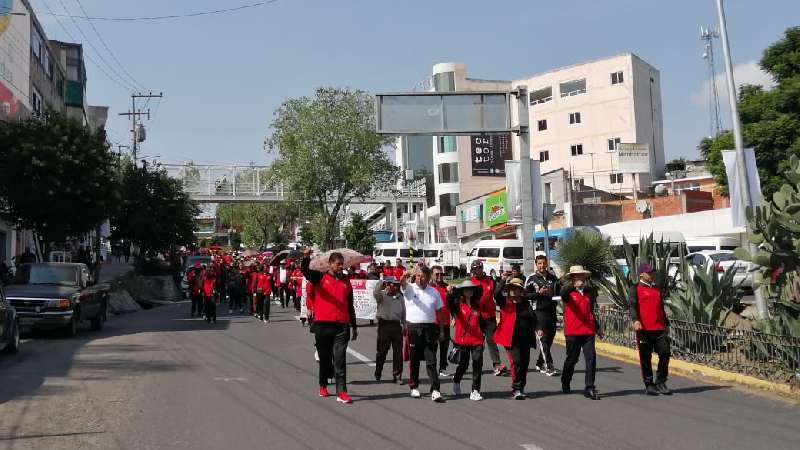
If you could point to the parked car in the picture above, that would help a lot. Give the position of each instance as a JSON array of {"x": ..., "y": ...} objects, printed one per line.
[
  {"x": 58, "y": 296},
  {"x": 190, "y": 262},
  {"x": 445, "y": 255},
  {"x": 722, "y": 260},
  {"x": 9, "y": 326}
]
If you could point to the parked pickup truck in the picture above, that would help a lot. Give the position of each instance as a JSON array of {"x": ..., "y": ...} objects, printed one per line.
[{"x": 57, "y": 296}]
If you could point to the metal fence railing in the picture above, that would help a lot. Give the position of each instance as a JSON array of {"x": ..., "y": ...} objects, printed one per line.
[{"x": 767, "y": 356}]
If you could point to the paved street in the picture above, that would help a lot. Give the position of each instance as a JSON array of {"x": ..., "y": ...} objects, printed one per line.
[{"x": 158, "y": 380}]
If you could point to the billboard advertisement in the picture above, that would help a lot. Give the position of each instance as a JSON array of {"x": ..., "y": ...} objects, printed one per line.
[
  {"x": 633, "y": 157},
  {"x": 496, "y": 208},
  {"x": 489, "y": 152},
  {"x": 14, "y": 58}
]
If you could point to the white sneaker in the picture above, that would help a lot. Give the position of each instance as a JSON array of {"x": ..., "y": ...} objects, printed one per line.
[
  {"x": 415, "y": 393},
  {"x": 518, "y": 395},
  {"x": 456, "y": 388},
  {"x": 436, "y": 396},
  {"x": 443, "y": 374},
  {"x": 316, "y": 356},
  {"x": 475, "y": 396},
  {"x": 230, "y": 311}
]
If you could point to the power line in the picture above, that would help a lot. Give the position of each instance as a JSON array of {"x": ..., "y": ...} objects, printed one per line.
[
  {"x": 103, "y": 41},
  {"x": 88, "y": 56},
  {"x": 130, "y": 86},
  {"x": 167, "y": 17}
]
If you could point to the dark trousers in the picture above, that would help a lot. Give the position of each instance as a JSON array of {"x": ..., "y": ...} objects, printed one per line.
[
  {"x": 331, "y": 339},
  {"x": 657, "y": 341},
  {"x": 545, "y": 359},
  {"x": 262, "y": 306},
  {"x": 197, "y": 302},
  {"x": 236, "y": 301},
  {"x": 390, "y": 334},
  {"x": 211, "y": 309},
  {"x": 488, "y": 326},
  {"x": 286, "y": 295},
  {"x": 423, "y": 340},
  {"x": 474, "y": 354},
  {"x": 519, "y": 357},
  {"x": 444, "y": 346},
  {"x": 296, "y": 300},
  {"x": 574, "y": 346}
]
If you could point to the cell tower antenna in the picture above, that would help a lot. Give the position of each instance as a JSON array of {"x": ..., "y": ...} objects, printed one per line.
[{"x": 708, "y": 35}]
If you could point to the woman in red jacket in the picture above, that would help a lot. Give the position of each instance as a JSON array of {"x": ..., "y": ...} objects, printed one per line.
[
  {"x": 263, "y": 289},
  {"x": 515, "y": 331},
  {"x": 464, "y": 304},
  {"x": 580, "y": 327},
  {"x": 209, "y": 290}
]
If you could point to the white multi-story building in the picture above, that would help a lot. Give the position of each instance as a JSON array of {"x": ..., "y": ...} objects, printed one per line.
[{"x": 578, "y": 114}]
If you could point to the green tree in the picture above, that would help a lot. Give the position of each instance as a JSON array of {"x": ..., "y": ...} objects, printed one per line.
[
  {"x": 306, "y": 235},
  {"x": 770, "y": 118},
  {"x": 57, "y": 177},
  {"x": 155, "y": 213},
  {"x": 329, "y": 153},
  {"x": 261, "y": 223},
  {"x": 358, "y": 236}
]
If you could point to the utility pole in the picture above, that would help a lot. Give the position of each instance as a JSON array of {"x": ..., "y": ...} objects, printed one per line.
[
  {"x": 741, "y": 164},
  {"x": 134, "y": 114},
  {"x": 526, "y": 192}
]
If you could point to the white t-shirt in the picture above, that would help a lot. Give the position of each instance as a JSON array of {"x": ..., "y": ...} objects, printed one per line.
[
  {"x": 421, "y": 304},
  {"x": 282, "y": 275}
]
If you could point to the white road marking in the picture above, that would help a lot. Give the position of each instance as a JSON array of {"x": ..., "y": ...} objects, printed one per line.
[
  {"x": 530, "y": 447},
  {"x": 228, "y": 380},
  {"x": 361, "y": 357}
]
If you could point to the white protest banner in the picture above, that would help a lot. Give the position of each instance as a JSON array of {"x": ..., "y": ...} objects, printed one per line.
[
  {"x": 303, "y": 297},
  {"x": 365, "y": 305}
]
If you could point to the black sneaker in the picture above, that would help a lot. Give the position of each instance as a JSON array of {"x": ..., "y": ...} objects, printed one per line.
[
  {"x": 398, "y": 380},
  {"x": 591, "y": 394},
  {"x": 565, "y": 388},
  {"x": 650, "y": 389},
  {"x": 663, "y": 389},
  {"x": 377, "y": 376}
]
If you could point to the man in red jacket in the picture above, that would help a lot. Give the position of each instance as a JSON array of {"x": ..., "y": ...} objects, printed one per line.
[
  {"x": 334, "y": 318},
  {"x": 488, "y": 314},
  {"x": 650, "y": 324},
  {"x": 399, "y": 269},
  {"x": 580, "y": 327}
]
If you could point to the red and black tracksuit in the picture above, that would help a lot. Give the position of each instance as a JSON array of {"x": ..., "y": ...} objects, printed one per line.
[
  {"x": 647, "y": 306},
  {"x": 209, "y": 290},
  {"x": 334, "y": 315},
  {"x": 195, "y": 281},
  {"x": 489, "y": 317},
  {"x": 263, "y": 282},
  {"x": 580, "y": 327},
  {"x": 468, "y": 335},
  {"x": 515, "y": 333}
]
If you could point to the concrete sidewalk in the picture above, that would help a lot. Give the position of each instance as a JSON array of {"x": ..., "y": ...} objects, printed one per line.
[{"x": 111, "y": 270}]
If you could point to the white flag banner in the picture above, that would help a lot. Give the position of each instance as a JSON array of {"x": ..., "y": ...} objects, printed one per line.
[{"x": 735, "y": 184}]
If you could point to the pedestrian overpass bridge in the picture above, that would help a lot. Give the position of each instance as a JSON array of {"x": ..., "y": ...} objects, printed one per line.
[{"x": 252, "y": 184}]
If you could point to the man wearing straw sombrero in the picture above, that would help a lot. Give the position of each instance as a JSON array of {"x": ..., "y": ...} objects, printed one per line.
[{"x": 580, "y": 328}]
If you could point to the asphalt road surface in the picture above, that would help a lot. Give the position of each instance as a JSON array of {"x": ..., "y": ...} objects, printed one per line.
[{"x": 159, "y": 380}]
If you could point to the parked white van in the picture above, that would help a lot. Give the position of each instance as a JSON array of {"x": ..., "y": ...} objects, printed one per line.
[
  {"x": 445, "y": 255},
  {"x": 496, "y": 254},
  {"x": 674, "y": 238},
  {"x": 393, "y": 250}
]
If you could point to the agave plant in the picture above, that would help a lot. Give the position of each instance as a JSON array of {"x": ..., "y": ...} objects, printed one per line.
[
  {"x": 704, "y": 296},
  {"x": 588, "y": 249},
  {"x": 658, "y": 254}
]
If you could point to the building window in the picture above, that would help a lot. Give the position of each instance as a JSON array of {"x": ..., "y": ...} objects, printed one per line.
[
  {"x": 544, "y": 155},
  {"x": 542, "y": 124},
  {"x": 444, "y": 82},
  {"x": 36, "y": 45},
  {"x": 448, "y": 173},
  {"x": 36, "y": 102},
  {"x": 574, "y": 118},
  {"x": 617, "y": 78},
  {"x": 576, "y": 149},
  {"x": 616, "y": 178},
  {"x": 613, "y": 143},
  {"x": 574, "y": 87},
  {"x": 447, "y": 204},
  {"x": 548, "y": 193},
  {"x": 541, "y": 96},
  {"x": 577, "y": 184},
  {"x": 447, "y": 144}
]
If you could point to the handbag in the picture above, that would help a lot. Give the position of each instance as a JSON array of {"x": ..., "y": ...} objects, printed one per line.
[{"x": 456, "y": 354}]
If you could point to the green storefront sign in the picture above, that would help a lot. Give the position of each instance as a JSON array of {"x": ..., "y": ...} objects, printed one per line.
[{"x": 496, "y": 209}]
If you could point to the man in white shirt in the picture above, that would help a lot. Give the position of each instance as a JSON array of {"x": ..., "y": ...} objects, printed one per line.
[
  {"x": 423, "y": 304},
  {"x": 283, "y": 279}
]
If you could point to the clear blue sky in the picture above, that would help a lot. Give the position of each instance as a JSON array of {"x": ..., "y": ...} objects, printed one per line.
[{"x": 224, "y": 75}]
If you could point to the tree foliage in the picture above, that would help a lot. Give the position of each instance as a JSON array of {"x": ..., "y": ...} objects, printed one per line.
[
  {"x": 58, "y": 177},
  {"x": 329, "y": 153},
  {"x": 260, "y": 223},
  {"x": 154, "y": 212},
  {"x": 358, "y": 236},
  {"x": 770, "y": 118}
]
